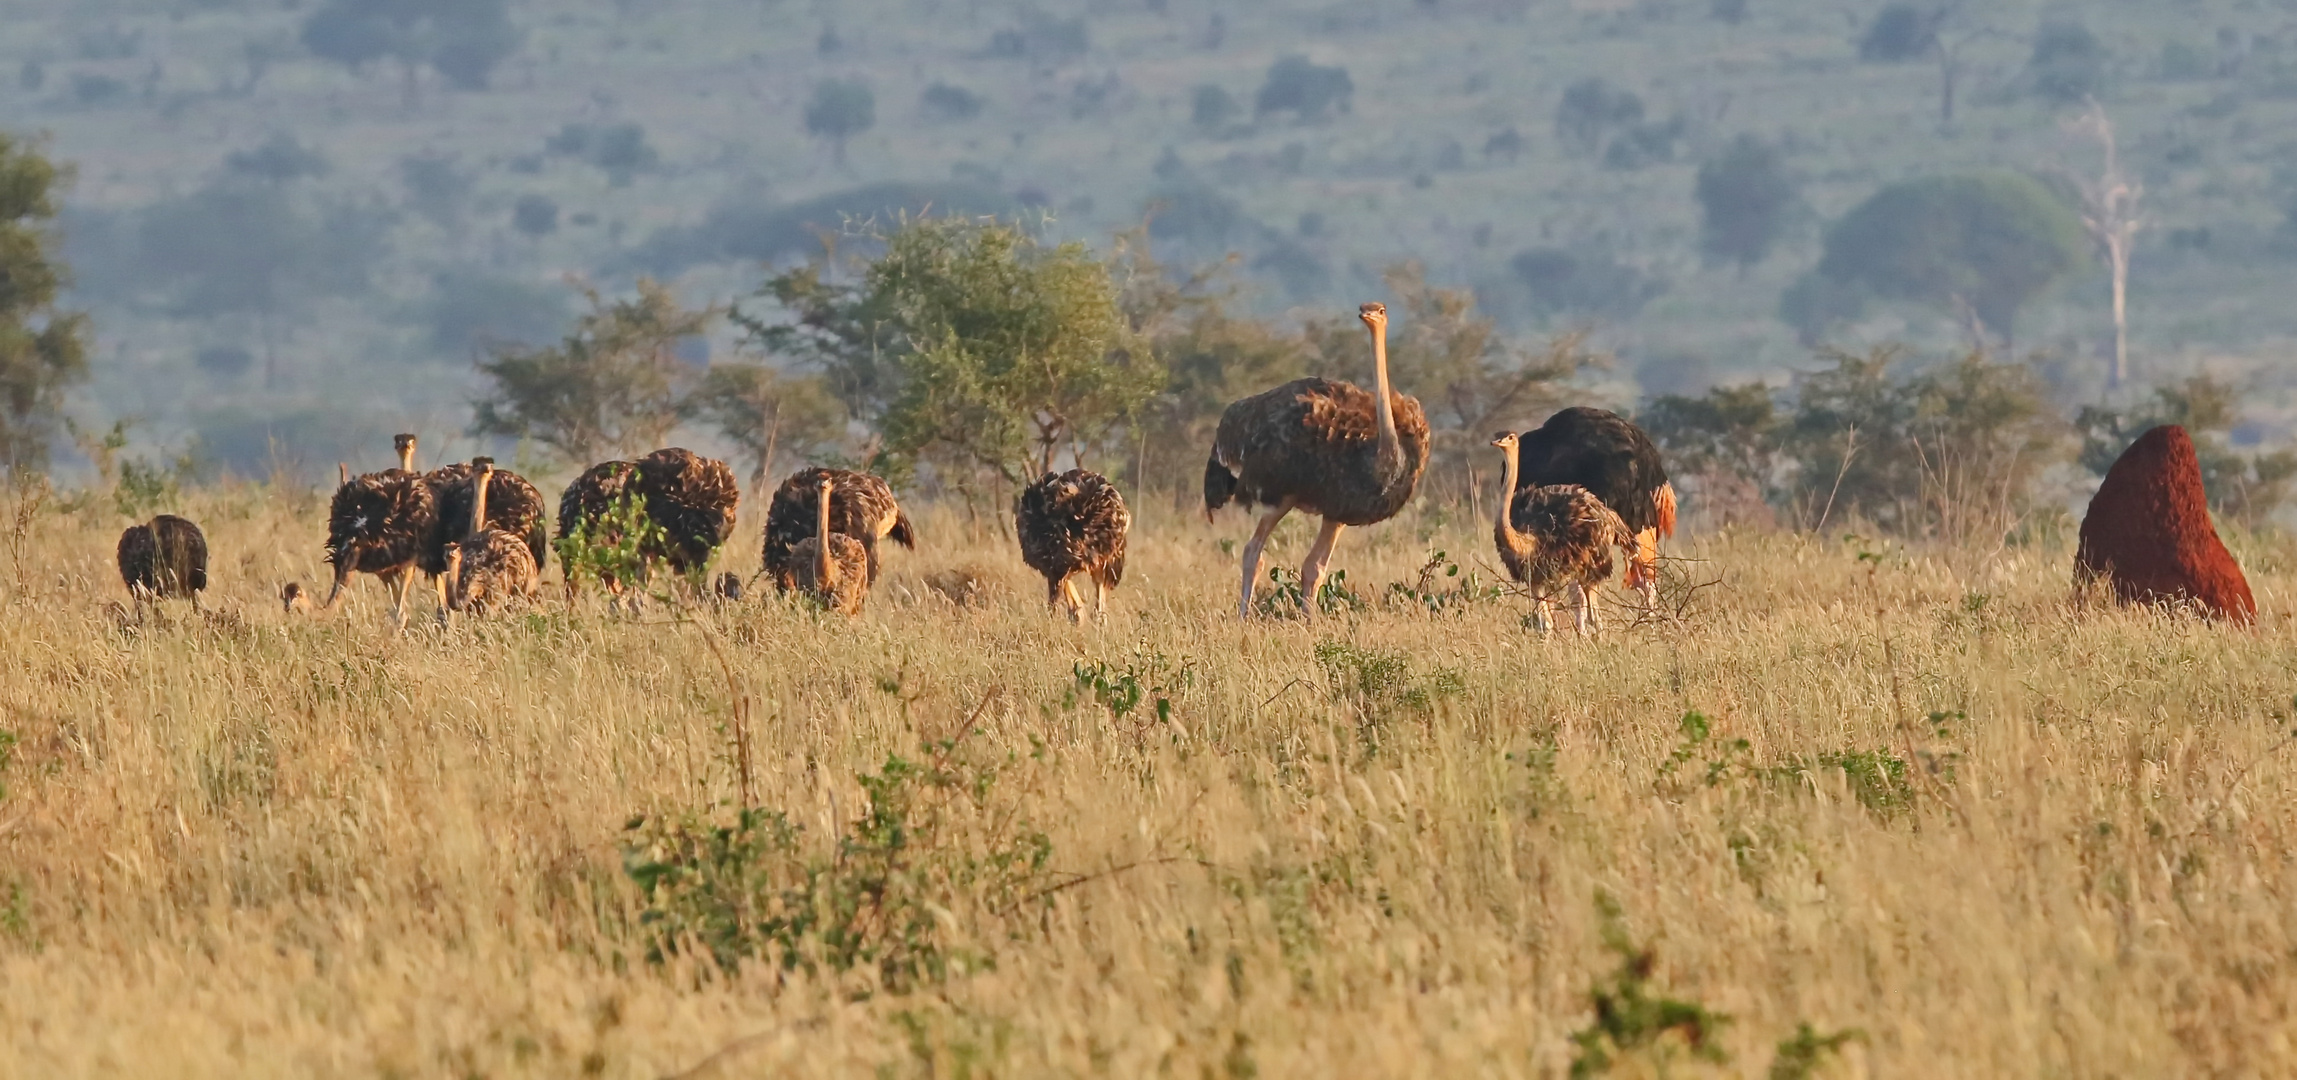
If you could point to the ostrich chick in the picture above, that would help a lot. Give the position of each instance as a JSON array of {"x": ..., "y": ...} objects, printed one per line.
[
  {"x": 1556, "y": 537},
  {"x": 490, "y": 566},
  {"x": 831, "y": 567},
  {"x": 1071, "y": 523}
]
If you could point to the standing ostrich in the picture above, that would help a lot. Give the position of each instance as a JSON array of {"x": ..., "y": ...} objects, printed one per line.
[
  {"x": 163, "y": 557},
  {"x": 378, "y": 524},
  {"x": 585, "y": 505},
  {"x": 863, "y": 508},
  {"x": 1320, "y": 447},
  {"x": 1556, "y": 537},
  {"x": 1070, "y": 523},
  {"x": 691, "y": 498},
  {"x": 831, "y": 567},
  {"x": 1613, "y": 459},
  {"x": 490, "y": 565},
  {"x": 512, "y": 505}
]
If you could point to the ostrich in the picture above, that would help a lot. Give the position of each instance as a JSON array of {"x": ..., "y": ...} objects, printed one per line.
[
  {"x": 512, "y": 506},
  {"x": 831, "y": 567},
  {"x": 1613, "y": 459},
  {"x": 490, "y": 565},
  {"x": 378, "y": 524},
  {"x": 163, "y": 557},
  {"x": 864, "y": 509},
  {"x": 1070, "y": 523},
  {"x": 691, "y": 498},
  {"x": 1556, "y": 537},
  {"x": 1320, "y": 447},
  {"x": 586, "y": 503}
]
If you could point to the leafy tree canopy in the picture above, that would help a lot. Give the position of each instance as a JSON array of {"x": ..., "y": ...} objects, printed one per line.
[
  {"x": 612, "y": 387},
  {"x": 462, "y": 40},
  {"x": 43, "y": 351},
  {"x": 1745, "y": 196},
  {"x": 1304, "y": 88}
]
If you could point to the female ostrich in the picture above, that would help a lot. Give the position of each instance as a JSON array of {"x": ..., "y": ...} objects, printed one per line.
[
  {"x": 1613, "y": 459},
  {"x": 863, "y": 509},
  {"x": 163, "y": 557},
  {"x": 831, "y": 567},
  {"x": 1556, "y": 537},
  {"x": 512, "y": 505},
  {"x": 1319, "y": 447},
  {"x": 1070, "y": 523},
  {"x": 691, "y": 498},
  {"x": 491, "y": 565},
  {"x": 378, "y": 524}
]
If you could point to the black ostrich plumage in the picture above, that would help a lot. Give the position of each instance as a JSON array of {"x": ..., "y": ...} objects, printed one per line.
[
  {"x": 860, "y": 506},
  {"x": 379, "y": 522},
  {"x": 164, "y": 557},
  {"x": 1072, "y": 522},
  {"x": 1609, "y": 456}
]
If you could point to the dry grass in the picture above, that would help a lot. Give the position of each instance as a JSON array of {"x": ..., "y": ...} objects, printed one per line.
[{"x": 274, "y": 847}]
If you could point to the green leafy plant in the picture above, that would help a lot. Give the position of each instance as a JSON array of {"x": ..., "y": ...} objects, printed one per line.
[
  {"x": 908, "y": 892},
  {"x": 1442, "y": 586},
  {"x": 1148, "y": 677},
  {"x": 616, "y": 549},
  {"x": 1799, "y": 1055},
  {"x": 1632, "y": 1019},
  {"x": 1282, "y": 597},
  {"x": 1377, "y": 685}
]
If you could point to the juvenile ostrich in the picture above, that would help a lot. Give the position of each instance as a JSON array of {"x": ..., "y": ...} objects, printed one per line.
[
  {"x": 693, "y": 499},
  {"x": 1556, "y": 537},
  {"x": 490, "y": 566},
  {"x": 862, "y": 508},
  {"x": 1072, "y": 523},
  {"x": 831, "y": 567},
  {"x": 1320, "y": 447},
  {"x": 378, "y": 524},
  {"x": 164, "y": 557},
  {"x": 1613, "y": 459}
]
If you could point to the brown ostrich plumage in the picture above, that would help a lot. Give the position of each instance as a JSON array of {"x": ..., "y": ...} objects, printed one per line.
[
  {"x": 693, "y": 499},
  {"x": 587, "y": 501},
  {"x": 1073, "y": 523},
  {"x": 861, "y": 506},
  {"x": 512, "y": 505},
  {"x": 1556, "y": 538},
  {"x": 490, "y": 567},
  {"x": 2148, "y": 532},
  {"x": 1608, "y": 455},
  {"x": 164, "y": 557},
  {"x": 379, "y": 524},
  {"x": 1349, "y": 455},
  {"x": 830, "y": 566}
]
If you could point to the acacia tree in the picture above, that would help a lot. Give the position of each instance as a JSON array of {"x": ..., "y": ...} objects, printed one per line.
[
  {"x": 1015, "y": 350},
  {"x": 43, "y": 350},
  {"x": 766, "y": 412},
  {"x": 839, "y": 110},
  {"x": 613, "y": 386},
  {"x": 1744, "y": 196}
]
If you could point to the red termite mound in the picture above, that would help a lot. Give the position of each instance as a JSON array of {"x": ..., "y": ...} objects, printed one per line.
[{"x": 2148, "y": 532}]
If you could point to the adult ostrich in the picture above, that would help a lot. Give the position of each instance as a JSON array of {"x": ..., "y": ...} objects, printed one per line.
[
  {"x": 586, "y": 503},
  {"x": 512, "y": 505},
  {"x": 863, "y": 508},
  {"x": 490, "y": 566},
  {"x": 1070, "y": 523},
  {"x": 378, "y": 523},
  {"x": 831, "y": 567},
  {"x": 693, "y": 499},
  {"x": 1612, "y": 458},
  {"x": 1320, "y": 447},
  {"x": 164, "y": 557},
  {"x": 1554, "y": 538}
]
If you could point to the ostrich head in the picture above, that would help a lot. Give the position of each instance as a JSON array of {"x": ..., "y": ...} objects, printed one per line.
[
  {"x": 294, "y": 599},
  {"x": 455, "y": 576},
  {"x": 1505, "y": 440},
  {"x": 404, "y": 443},
  {"x": 1375, "y": 315}
]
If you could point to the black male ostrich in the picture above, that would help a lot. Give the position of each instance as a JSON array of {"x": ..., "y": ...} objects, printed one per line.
[
  {"x": 1612, "y": 458},
  {"x": 1320, "y": 447},
  {"x": 861, "y": 506},
  {"x": 165, "y": 557},
  {"x": 1556, "y": 538},
  {"x": 378, "y": 523},
  {"x": 1071, "y": 523}
]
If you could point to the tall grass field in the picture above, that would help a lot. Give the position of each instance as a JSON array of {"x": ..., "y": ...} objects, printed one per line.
[{"x": 1844, "y": 808}]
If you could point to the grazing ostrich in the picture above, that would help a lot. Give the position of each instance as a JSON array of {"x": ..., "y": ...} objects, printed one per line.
[
  {"x": 1556, "y": 537},
  {"x": 585, "y": 505},
  {"x": 164, "y": 557},
  {"x": 1613, "y": 459},
  {"x": 1320, "y": 447},
  {"x": 831, "y": 567},
  {"x": 691, "y": 498},
  {"x": 379, "y": 524},
  {"x": 1070, "y": 523},
  {"x": 864, "y": 509},
  {"x": 491, "y": 565}
]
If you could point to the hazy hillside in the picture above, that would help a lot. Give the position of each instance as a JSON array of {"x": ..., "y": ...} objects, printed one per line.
[{"x": 278, "y": 246}]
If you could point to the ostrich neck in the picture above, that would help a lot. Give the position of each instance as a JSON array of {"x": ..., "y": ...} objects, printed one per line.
[
  {"x": 407, "y": 458},
  {"x": 1516, "y": 540},
  {"x": 821, "y": 543},
  {"x": 1391, "y": 448},
  {"x": 479, "y": 501}
]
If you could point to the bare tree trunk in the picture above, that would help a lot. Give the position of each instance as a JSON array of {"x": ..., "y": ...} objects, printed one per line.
[{"x": 2109, "y": 212}]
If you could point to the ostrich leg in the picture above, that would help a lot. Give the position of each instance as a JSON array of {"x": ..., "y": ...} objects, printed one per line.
[
  {"x": 1076, "y": 603},
  {"x": 1542, "y": 615},
  {"x": 1100, "y": 600},
  {"x": 1312, "y": 570},
  {"x": 1252, "y": 553},
  {"x": 1584, "y": 617},
  {"x": 397, "y": 583}
]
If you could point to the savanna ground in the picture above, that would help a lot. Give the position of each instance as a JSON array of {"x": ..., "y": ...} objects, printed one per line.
[{"x": 1927, "y": 801}]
